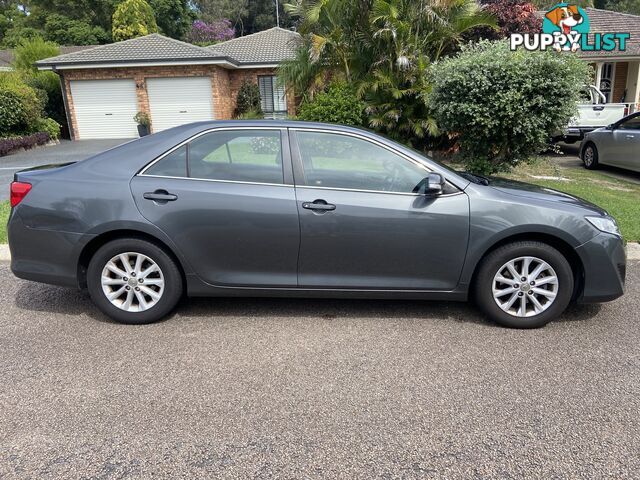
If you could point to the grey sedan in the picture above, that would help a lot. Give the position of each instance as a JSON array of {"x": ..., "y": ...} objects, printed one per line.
[
  {"x": 280, "y": 208},
  {"x": 617, "y": 145}
]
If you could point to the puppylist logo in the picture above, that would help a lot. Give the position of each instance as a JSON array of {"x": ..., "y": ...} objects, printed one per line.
[{"x": 566, "y": 28}]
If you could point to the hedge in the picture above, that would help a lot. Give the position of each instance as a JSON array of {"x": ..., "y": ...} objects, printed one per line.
[{"x": 8, "y": 145}]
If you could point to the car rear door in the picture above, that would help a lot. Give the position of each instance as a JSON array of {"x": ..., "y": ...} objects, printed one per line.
[
  {"x": 361, "y": 225},
  {"x": 227, "y": 200},
  {"x": 626, "y": 144}
]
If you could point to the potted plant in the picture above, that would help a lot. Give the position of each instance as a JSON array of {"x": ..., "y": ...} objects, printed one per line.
[{"x": 144, "y": 123}]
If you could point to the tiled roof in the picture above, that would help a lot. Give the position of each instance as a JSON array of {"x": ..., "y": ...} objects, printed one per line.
[
  {"x": 606, "y": 21},
  {"x": 6, "y": 56},
  {"x": 269, "y": 46},
  {"x": 153, "y": 47}
]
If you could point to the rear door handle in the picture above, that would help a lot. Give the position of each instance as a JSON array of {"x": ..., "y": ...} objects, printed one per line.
[
  {"x": 319, "y": 205},
  {"x": 160, "y": 196},
  {"x": 630, "y": 136}
]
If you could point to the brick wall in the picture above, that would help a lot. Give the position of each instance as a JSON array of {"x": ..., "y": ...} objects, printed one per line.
[
  {"x": 620, "y": 82},
  {"x": 224, "y": 85}
]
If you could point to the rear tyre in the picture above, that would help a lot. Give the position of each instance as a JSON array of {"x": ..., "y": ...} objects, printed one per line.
[
  {"x": 590, "y": 156},
  {"x": 524, "y": 284},
  {"x": 134, "y": 281}
]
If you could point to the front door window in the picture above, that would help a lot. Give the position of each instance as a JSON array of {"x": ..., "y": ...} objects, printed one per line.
[{"x": 341, "y": 161}]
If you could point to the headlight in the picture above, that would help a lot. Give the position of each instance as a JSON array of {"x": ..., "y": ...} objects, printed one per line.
[{"x": 605, "y": 224}]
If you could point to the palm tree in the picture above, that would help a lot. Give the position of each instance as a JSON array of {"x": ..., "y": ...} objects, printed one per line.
[{"x": 384, "y": 48}]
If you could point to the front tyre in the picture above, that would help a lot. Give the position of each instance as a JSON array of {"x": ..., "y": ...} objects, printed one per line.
[
  {"x": 134, "y": 281},
  {"x": 524, "y": 284},
  {"x": 590, "y": 157}
]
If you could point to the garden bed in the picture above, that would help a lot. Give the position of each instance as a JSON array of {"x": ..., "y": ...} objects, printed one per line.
[{"x": 11, "y": 144}]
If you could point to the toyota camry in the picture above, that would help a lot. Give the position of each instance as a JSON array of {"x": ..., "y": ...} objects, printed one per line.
[{"x": 294, "y": 209}]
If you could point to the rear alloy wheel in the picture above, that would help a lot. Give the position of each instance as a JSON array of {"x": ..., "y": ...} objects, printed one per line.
[
  {"x": 134, "y": 281},
  {"x": 590, "y": 157},
  {"x": 524, "y": 284}
]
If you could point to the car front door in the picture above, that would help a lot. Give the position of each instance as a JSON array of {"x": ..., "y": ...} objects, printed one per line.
[
  {"x": 626, "y": 144},
  {"x": 227, "y": 200},
  {"x": 361, "y": 225}
]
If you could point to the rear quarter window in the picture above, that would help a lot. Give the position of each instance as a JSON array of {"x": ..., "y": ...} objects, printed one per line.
[{"x": 173, "y": 164}]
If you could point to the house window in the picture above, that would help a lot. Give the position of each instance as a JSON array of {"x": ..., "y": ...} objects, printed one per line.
[{"x": 273, "y": 97}]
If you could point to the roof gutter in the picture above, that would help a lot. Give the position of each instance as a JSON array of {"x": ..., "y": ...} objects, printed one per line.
[{"x": 611, "y": 58}]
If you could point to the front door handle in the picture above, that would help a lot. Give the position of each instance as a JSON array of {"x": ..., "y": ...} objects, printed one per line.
[
  {"x": 319, "y": 205},
  {"x": 161, "y": 196}
]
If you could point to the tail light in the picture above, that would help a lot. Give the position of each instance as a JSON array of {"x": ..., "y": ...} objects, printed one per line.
[
  {"x": 626, "y": 110},
  {"x": 19, "y": 190}
]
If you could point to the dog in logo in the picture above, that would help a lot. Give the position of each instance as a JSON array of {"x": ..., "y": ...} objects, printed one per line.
[{"x": 565, "y": 18}]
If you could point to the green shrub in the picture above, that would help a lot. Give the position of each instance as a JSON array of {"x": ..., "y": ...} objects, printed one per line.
[
  {"x": 49, "y": 82},
  {"x": 338, "y": 104},
  {"x": 502, "y": 105},
  {"x": 248, "y": 103},
  {"x": 20, "y": 105},
  {"x": 12, "y": 116},
  {"x": 48, "y": 125},
  {"x": 32, "y": 49},
  {"x": 142, "y": 118}
]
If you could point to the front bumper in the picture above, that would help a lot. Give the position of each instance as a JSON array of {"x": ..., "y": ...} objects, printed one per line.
[{"x": 604, "y": 260}]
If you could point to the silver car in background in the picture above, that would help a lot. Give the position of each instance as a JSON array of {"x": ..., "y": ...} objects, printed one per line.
[{"x": 617, "y": 145}]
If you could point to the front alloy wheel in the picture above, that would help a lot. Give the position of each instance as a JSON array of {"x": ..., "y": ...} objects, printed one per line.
[
  {"x": 524, "y": 284},
  {"x": 590, "y": 157}
]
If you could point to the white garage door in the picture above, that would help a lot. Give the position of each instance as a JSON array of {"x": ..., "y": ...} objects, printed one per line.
[
  {"x": 176, "y": 101},
  {"x": 105, "y": 108}
]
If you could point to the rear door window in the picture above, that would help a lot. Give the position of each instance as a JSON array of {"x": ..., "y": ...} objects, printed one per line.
[
  {"x": 237, "y": 155},
  {"x": 245, "y": 155}
]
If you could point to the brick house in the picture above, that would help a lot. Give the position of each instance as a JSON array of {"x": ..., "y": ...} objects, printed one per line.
[{"x": 172, "y": 81}]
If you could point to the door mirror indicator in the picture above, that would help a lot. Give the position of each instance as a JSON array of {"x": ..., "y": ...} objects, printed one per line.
[{"x": 431, "y": 186}]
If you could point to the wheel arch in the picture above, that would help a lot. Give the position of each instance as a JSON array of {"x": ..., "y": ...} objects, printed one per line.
[
  {"x": 92, "y": 247},
  {"x": 554, "y": 241}
]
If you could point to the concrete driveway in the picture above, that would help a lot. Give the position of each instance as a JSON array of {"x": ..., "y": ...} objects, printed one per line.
[
  {"x": 66, "y": 151},
  {"x": 249, "y": 388}
]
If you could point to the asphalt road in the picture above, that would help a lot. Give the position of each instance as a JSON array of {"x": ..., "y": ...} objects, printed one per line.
[
  {"x": 266, "y": 388},
  {"x": 66, "y": 151}
]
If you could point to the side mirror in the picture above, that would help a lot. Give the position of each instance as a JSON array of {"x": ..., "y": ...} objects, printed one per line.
[
  {"x": 611, "y": 126},
  {"x": 432, "y": 185}
]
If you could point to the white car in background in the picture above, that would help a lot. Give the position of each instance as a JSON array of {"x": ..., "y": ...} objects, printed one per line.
[
  {"x": 593, "y": 114},
  {"x": 617, "y": 145}
]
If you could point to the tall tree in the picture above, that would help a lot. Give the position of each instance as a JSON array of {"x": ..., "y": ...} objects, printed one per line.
[
  {"x": 235, "y": 10},
  {"x": 133, "y": 18},
  {"x": 174, "y": 17},
  {"x": 384, "y": 48},
  {"x": 624, "y": 6},
  {"x": 247, "y": 16}
]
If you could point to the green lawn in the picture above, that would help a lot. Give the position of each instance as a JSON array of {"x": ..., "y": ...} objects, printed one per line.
[
  {"x": 5, "y": 208},
  {"x": 620, "y": 198}
]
